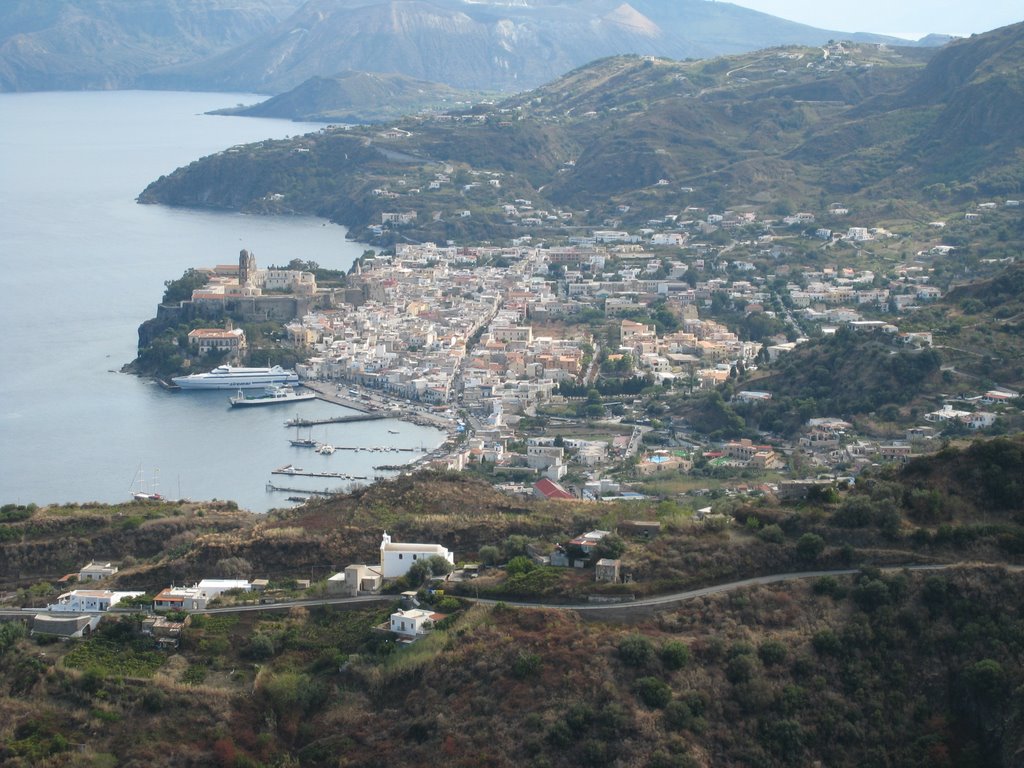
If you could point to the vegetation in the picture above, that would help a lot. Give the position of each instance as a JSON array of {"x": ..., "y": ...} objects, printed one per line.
[{"x": 877, "y": 126}]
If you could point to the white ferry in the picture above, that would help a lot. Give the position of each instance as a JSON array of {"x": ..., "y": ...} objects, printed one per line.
[
  {"x": 270, "y": 396},
  {"x": 229, "y": 377}
]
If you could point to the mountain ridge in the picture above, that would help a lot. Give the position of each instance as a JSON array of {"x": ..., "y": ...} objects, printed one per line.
[{"x": 271, "y": 46}]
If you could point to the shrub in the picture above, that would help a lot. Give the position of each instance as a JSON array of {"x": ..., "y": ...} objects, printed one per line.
[
  {"x": 520, "y": 564},
  {"x": 448, "y": 605},
  {"x": 653, "y": 692},
  {"x": 675, "y": 654},
  {"x": 489, "y": 554},
  {"x": 677, "y": 715},
  {"x": 810, "y": 546},
  {"x": 872, "y": 595},
  {"x": 987, "y": 680},
  {"x": 826, "y": 642},
  {"x": 740, "y": 668},
  {"x": 772, "y": 652},
  {"x": 526, "y": 664},
  {"x": 772, "y": 534},
  {"x": 611, "y": 546},
  {"x": 828, "y": 586},
  {"x": 261, "y": 646},
  {"x": 635, "y": 651}
]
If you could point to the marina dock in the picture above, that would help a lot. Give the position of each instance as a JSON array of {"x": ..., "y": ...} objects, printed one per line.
[
  {"x": 282, "y": 489},
  {"x": 336, "y": 420},
  {"x": 293, "y": 471},
  {"x": 379, "y": 449}
]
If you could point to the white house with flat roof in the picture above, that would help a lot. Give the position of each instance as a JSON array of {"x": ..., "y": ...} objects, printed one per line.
[
  {"x": 95, "y": 571},
  {"x": 180, "y": 599},
  {"x": 414, "y": 622},
  {"x": 89, "y": 600},
  {"x": 212, "y": 588},
  {"x": 396, "y": 559}
]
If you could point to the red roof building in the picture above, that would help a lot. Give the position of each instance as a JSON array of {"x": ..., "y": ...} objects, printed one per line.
[{"x": 549, "y": 489}]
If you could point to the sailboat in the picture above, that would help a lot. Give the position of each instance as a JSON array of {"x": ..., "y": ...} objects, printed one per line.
[
  {"x": 142, "y": 494},
  {"x": 303, "y": 442}
]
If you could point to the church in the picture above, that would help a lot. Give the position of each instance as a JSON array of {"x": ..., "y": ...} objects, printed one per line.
[{"x": 396, "y": 559}]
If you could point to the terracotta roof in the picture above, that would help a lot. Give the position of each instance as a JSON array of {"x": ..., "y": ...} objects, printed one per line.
[{"x": 551, "y": 490}]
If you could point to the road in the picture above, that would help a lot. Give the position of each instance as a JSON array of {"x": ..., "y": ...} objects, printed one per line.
[{"x": 644, "y": 605}]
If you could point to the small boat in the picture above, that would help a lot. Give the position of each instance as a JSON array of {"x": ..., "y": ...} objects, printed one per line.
[
  {"x": 392, "y": 431},
  {"x": 270, "y": 396},
  {"x": 326, "y": 449}
]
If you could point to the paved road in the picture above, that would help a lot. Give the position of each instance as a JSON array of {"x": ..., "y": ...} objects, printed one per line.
[
  {"x": 662, "y": 601},
  {"x": 643, "y": 605}
]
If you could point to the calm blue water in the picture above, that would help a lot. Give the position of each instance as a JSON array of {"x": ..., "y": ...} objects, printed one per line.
[{"x": 81, "y": 265}]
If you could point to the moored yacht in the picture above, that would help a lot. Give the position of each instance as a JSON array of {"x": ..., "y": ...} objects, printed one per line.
[{"x": 230, "y": 377}]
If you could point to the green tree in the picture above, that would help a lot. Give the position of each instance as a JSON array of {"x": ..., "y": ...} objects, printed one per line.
[
  {"x": 810, "y": 546},
  {"x": 610, "y": 546},
  {"x": 635, "y": 651},
  {"x": 489, "y": 554},
  {"x": 653, "y": 692},
  {"x": 181, "y": 289},
  {"x": 520, "y": 564},
  {"x": 675, "y": 654}
]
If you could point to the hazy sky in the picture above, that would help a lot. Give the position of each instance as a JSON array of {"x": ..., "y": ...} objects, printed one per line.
[{"x": 917, "y": 17}]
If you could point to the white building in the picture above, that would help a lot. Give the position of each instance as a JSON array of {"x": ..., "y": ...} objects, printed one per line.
[
  {"x": 396, "y": 559},
  {"x": 97, "y": 571},
  {"x": 212, "y": 588},
  {"x": 180, "y": 599},
  {"x": 196, "y": 597},
  {"x": 414, "y": 622},
  {"x": 89, "y": 600}
]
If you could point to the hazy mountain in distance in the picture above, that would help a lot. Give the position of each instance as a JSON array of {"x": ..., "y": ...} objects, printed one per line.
[
  {"x": 353, "y": 97},
  {"x": 97, "y": 44},
  {"x": 483, "y": 45},
  {"x": 271, "y": 46}
]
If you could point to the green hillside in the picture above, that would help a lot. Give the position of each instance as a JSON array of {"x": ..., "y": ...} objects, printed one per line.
[
  {"x": 870, "y": 667},
  {"x": 782, "y": 128}
]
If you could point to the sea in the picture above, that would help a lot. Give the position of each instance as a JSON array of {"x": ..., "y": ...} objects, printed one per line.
[{"x": 82, "y": 265}]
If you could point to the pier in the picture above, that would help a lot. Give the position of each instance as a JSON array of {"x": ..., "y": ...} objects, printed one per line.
[
  {"x": 336, "y": 420},
  {"x": 292, "y": 471},
  {"x": 282, "y": 489},
  {"x": 378, "y": 449}
]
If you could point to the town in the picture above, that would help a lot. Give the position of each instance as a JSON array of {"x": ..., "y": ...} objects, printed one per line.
[{"x": 550, "y": 365}]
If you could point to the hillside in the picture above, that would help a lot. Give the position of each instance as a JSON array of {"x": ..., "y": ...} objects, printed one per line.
[
  {"x": 979, "y": 326},
  {"x": 354, "y": 97},
  {"x": 484, "y": 45},
  {"x": 887, "y": 667},
  {"x": 879, "y": 669},
  {"x": 777, "y": 128},
  {"x": 847, "y": 375},
  {"x": 101, "y": 44}
]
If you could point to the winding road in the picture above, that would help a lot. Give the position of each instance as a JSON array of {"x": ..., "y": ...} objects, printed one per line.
[{"x": 608, "y": 610}]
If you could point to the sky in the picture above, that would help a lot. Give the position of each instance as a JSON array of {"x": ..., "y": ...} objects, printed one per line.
[{"x": 908, "y": 18}]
